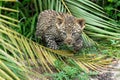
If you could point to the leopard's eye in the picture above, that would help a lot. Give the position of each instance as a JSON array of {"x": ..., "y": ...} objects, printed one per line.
[
  {"x": 63, "y": 34},
  {"x": 75, "y": 34}
]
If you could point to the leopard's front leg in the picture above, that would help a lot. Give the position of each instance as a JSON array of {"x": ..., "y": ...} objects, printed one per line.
[
  {"x": 50, "y": 40},
  {"x": 78, "y": 44}
]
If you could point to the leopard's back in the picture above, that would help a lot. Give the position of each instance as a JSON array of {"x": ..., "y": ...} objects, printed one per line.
[{"x": 46, "y": 20}]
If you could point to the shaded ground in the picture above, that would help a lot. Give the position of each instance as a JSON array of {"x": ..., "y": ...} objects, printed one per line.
[{"x": 112, "y": 73}]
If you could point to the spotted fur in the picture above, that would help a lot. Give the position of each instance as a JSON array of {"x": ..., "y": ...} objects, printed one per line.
[{"x": 55, "y": 27}]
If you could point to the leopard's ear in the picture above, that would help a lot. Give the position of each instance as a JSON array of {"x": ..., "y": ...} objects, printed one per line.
[
  {"x": 81, "y": 23},
  {"x": 59, "y": 21}
]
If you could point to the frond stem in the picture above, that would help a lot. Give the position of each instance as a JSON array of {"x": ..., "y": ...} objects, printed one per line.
[{"x": 66, "y": 7}]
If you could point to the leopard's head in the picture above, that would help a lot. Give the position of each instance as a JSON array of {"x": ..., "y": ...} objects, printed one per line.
[{"x": 70, "y": 28}]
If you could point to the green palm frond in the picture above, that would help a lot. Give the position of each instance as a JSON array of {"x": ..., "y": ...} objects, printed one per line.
[
  {"x": 9, "y": 21},
  {"x": 8, "y": 9},
  {"x": 95, "y": 18},
  {"x": 92, "y": 62},
  {"x": 9, "y": 67}
]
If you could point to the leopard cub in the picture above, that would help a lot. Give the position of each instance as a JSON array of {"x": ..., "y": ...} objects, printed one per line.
[{"x": 54, "y": 27}]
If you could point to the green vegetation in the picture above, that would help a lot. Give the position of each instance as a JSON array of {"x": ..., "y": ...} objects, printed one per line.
[
  {"x": 21, "y": 52},
  {"x": 111, "y": 7}
]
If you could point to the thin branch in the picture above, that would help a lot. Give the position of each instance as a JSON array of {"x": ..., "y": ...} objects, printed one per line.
[{"x": 66, "y": 7}]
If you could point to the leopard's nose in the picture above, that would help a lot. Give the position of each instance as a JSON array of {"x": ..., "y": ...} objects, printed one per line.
[{"x": 69, "y": 41}]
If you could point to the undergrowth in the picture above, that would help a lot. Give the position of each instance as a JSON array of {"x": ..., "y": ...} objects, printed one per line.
[{"x": 72, "y": 72}]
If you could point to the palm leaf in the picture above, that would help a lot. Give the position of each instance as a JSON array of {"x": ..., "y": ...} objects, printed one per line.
[
  {"x": 3, "y": 17},
  {"x": 10, "y": 68},
  {"x": 97, "y": 21},
  {"x": 8, "y": 9}
]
